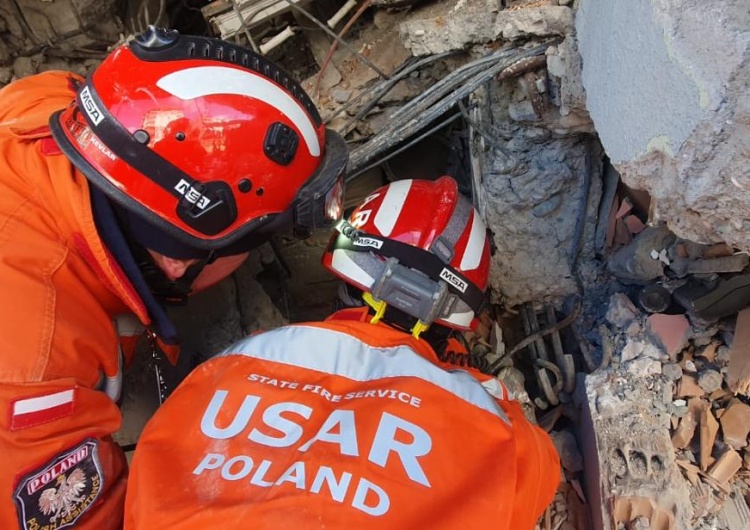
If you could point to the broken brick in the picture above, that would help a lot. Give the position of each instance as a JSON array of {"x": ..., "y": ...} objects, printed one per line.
[
  {"x": 635, "y": 225},
  {"x": 726, "y": 466},
  {"x": 624, "y": 208},
  {"x": 612, "y": 222},
  {"x": 623, "y": 236},
  {"x": 735, "y": 424},
  {"x": 685, "y": 432},
  {"x": 690, "y": 470},
  {"x": 709, "y": 352},
  {"x": 669, "y": 331},
  {"x": 688, "y": 387},
  {"x": 738, "y": 375},
  {"x": 708, "y": 429}
]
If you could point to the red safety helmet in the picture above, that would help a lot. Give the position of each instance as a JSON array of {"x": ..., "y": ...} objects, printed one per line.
[
  {"x": 205, "y": 140},
  {"x": 419, "y": 246}
]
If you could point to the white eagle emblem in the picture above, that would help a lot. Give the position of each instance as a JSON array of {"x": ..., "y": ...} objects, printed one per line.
[{"x": 62, "y": 500}]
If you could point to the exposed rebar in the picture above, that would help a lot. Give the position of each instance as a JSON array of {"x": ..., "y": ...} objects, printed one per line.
[
  {"x": 565, "y": 322},
  {"x": 431, "y": 104},
  {"x": 378, "y": 91}
]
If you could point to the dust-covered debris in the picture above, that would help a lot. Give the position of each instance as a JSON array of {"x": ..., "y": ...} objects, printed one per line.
[{"x": 682, "y": 413}]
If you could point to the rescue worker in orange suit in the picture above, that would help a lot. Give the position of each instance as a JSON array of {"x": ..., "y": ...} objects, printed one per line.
[
  {"x": 355, "y": 422},
  {"x": 119, "y": 193}
]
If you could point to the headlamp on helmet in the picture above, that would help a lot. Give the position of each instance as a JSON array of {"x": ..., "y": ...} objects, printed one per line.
[{"x": 320, "y": 202}]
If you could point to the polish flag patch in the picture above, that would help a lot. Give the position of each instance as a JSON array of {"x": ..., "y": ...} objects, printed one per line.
[{"x": 37, "y": 410}]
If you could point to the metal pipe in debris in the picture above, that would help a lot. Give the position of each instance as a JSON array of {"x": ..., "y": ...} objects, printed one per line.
[
  {"x": 341, "y": 13},
  {"x": 276, "y": 40}
]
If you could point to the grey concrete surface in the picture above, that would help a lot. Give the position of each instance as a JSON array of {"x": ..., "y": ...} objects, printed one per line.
[
  {"x": 640, "y": 97},
  {"x": 668, "y": 88}
]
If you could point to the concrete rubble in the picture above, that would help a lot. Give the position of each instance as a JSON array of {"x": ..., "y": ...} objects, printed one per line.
[
  {"x": 66, "y": 34},
  {"x": 615, "y": 310}
]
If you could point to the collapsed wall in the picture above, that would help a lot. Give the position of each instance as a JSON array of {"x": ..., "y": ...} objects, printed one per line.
[
  {"x": 668, "y": 88},
  {"x": 537, "y": 157}
]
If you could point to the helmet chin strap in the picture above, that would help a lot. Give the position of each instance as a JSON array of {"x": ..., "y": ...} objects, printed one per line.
[{"x": 168, "y": 292}]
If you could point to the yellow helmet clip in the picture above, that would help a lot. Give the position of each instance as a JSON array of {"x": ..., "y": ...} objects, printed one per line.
[{"x": 378, "y": 305}]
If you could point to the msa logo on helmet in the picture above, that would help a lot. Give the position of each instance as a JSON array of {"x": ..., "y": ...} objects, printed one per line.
[
  {"x": 454, "y": 280},
  {"x": 192, "y": 195},
  {"x": 90, "y": 107},
  {"x": 367, "y": 242}
]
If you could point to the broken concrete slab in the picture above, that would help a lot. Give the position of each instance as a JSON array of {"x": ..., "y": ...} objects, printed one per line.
[
  {"x": 457, "y": 25},
  {"x": 627, "y": 450},
  {"x": 621, "y": 311},
  {"x": 684, "y": 132},
  {"x": 532, "y": 265},
  {"x": 444, "y": 28},
  {"x": 538, "y": 21},
  {"x": 634, "y": 263}
]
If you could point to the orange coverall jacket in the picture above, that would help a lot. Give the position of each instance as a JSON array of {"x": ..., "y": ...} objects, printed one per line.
[
  {"x": 59, "y": 292},
  {"x": 338, "y": 425}
]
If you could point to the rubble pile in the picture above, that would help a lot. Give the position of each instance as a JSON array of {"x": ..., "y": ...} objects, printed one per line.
[
  {"x": 645, "y": 391},
  {"x": 667, "y": 421},
  {"x": 654, "y": 432},
  {"x": 488, "y": 92},
  {"x": 642, "y": 381},
  {"x": 66, "y": 35}
]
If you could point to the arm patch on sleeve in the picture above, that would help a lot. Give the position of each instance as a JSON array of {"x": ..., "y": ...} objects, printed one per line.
[{"x": 58, "y": 493}]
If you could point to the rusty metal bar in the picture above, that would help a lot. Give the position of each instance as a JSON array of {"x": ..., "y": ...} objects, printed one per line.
[
  {"x": 541, "y": 348},
  {"x": 341, "y": 41}
]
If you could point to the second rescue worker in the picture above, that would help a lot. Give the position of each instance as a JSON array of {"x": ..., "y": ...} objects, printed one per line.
[{"x": 355, "y": 423}]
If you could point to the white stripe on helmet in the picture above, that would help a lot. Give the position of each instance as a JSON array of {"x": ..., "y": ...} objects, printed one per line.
[
  {"x": 390, "y": 208},
  {"x": 341, "y": 262},
  {"x": 200, "y": 81},
  {"x": 475, "y": 246},
  {"x": 459, "y": 319}
]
